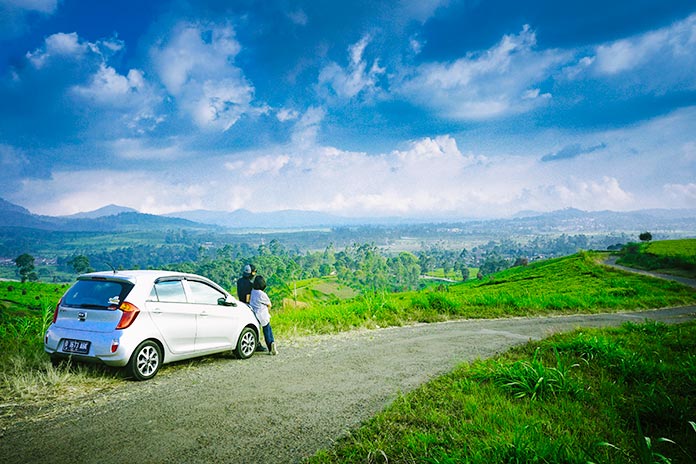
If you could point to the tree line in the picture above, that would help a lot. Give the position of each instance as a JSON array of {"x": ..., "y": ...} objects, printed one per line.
[{"x": 362, "y": 266}]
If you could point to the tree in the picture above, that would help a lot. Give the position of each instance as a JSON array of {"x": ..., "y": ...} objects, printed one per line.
[
  {"x": 25, "y": 267},
  {"x": 645, "y": 237},
  {"x": 80, "y": 264}
]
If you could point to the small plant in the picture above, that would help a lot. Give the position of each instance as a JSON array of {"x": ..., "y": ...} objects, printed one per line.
[{"x": 532, "y": 379}]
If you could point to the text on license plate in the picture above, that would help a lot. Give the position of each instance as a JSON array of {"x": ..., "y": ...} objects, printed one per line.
[{"x": 76, "y": 346}]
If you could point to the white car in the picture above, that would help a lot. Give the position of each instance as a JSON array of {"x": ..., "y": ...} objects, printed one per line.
[{"x": 143, "y": 319}]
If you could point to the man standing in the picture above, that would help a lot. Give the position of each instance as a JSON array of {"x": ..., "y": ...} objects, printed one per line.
[
  {"x": 246, "y": 283},
  {"x": 244, "y": 286}
]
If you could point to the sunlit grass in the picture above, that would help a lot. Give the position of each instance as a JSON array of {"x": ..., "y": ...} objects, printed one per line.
[
  {"x": 570, "y": 285},
  {"x": 557, "y": 400}
]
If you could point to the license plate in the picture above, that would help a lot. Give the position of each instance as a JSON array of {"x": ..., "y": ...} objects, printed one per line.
[{"x": 76, "y": 346}]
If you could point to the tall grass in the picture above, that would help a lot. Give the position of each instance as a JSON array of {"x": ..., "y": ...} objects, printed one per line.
[
  {"x": 26, "y": 374},
  {"x": 562, "y": 399}
]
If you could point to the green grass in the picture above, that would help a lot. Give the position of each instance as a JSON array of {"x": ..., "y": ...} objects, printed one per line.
[
  {"x": 26, "y": 374},
  {"x": 676, "y": 257},
  {"x": 685, "y": 248},
  {"x": 574, "y": 284},
  {"x": 618, "y": 395}
]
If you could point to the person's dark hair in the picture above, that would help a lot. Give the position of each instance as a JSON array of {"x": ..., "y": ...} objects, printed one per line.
[{"x": 259, "y": 283}]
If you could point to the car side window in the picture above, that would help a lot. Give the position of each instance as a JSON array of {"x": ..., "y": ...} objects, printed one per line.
[
  {"x": 202, "y": 293},
  {"x": 170, "y": 291}
]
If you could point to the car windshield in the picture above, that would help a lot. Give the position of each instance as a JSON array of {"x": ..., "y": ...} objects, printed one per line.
[{"x": 96, "y": 294}]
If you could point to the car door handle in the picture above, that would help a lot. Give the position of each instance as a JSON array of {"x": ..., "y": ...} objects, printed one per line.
[{"x": 204, "y": 314}]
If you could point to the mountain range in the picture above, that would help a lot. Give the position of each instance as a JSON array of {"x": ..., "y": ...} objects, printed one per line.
[{"x": 569, "y": 220}]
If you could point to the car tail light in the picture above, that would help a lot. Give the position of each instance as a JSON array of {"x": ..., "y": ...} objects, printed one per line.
[
  {"x": 130, "y": 312},
  {"x": 114, "y": 345},
  {"x": 55, "y": 311}
]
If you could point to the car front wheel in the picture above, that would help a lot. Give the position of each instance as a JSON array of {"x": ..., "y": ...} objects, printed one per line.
[
  {"x": 145, "y": 361},
  {"x": 246, "y": 345}
]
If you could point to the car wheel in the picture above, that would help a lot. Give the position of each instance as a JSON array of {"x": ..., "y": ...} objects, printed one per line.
[
  {"x": 145, "y": 361},
  {"x": 246, "y": 345}
]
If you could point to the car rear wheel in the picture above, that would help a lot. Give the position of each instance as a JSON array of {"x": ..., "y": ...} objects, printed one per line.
[
  {"x": 145, "y": 361},
  {"x": 246, "y": 345}
]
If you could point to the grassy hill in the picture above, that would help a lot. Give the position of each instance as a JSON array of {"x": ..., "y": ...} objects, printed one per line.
[
  {"x": 573, "y": 284},
  {"x": 676, "y": 257}
]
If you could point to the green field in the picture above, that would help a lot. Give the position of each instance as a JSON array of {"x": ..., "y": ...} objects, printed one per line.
[
  {"x": 685, "y": 249},
  {"x": 676, "y": 257},
  {"x": 499, "y": 410},
  {"x": 575, "y": 284}
]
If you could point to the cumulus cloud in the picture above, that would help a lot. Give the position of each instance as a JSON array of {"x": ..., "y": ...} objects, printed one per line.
[
  {"x": 196, "y": 65},
  {"x": 356, "y": 78},
  {"x": 502, "y": 80},
  {"x": 66, "y": 65},
  {"x": 57, "y": 46}
]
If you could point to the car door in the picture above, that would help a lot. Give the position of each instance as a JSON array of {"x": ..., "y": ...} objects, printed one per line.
[
  {"x": 218, "y": 325},
  {"x": 173, "y": 316}
]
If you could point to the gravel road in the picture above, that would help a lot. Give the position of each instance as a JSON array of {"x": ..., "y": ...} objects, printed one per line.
[{"x": 275, "y": 408}]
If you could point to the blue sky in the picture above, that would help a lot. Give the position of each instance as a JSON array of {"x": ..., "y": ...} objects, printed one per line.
[{"x": 437, "y": 108}]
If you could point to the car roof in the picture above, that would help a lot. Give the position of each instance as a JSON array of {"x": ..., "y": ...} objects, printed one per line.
[{"x": 137, "y": 274}]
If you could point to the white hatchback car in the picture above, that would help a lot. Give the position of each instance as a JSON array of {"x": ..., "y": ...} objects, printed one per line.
[{"x": 143, "y": 319}]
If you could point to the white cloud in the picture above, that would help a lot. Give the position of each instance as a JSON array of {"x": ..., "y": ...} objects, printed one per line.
[
  {"x": 356, "y": 78},
  {"x": 305, "y": 131},
  {"x": 500, "y": 81},
  {"x": 195, "y": 64},
  {"x": 58, "y": 46},
  {"x": 260, "y": 165},
  {"x": 286, "y": 114},
  {"x": 91, "y": 189},
  {"x": 421, "y": 10},
  {"x": 682, "y": 195},
  {"x": 107, "y": 86},
  {"x": 678, "y": 42},
  {"x": 138, "y": 149}
]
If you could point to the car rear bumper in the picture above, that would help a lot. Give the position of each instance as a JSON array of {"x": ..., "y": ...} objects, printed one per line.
[{"x": 111, "y": 348}]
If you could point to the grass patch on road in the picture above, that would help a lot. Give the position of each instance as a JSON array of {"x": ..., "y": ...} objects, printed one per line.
[{"x": 615, "y": 395}]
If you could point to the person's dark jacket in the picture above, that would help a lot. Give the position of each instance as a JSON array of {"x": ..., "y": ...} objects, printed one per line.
[{"x": 244, "y": 287}]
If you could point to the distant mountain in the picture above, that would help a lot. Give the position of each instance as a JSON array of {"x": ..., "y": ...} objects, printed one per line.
[
  {"x": 243, "y": 218},
  {"x": 15, "y": 216},
  {"x": 569, "y": 221},
  {"x": 109, "y": 210},
  {"x": 7, "y": 207}
]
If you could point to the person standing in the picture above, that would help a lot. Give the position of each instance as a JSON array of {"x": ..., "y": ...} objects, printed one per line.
[
  {"x": 245, "y": 283},
  {"x": 261, "y": 305}
]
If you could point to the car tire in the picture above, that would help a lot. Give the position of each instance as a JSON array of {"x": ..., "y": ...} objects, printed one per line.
[
  {"x": 246, "y": 345},
  {"x": 145, "y": 361}
]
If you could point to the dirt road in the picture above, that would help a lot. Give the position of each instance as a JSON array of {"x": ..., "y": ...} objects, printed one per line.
[{"x": 275, "y": 409}]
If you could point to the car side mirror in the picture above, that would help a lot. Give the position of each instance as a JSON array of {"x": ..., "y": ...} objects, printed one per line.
[{"x": 229, "y": 300}]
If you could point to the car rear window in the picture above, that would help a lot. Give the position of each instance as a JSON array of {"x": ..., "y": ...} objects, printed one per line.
[{"x": 96, "y": 294}]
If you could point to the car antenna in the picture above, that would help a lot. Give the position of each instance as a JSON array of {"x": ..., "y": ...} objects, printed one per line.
[{"x": 112, "y": 267}]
